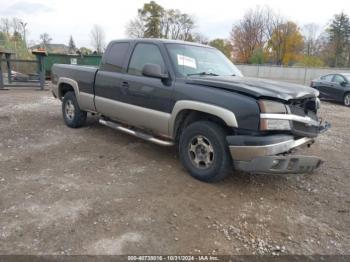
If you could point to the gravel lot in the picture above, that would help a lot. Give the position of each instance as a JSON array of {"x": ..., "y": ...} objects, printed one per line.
[{"x": 94, "y": 190}]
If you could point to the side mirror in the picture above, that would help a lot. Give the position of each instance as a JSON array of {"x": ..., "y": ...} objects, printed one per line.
[
  {"x": 344, "y": 83},
  {"x": 153, "y": 70}
]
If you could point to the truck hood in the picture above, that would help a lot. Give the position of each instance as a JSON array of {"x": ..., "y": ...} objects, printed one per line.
[{"x": 256, "y": 87}]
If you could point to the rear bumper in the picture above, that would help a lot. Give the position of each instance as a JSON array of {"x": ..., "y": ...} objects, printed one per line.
[{"x": 262, "y": 154}]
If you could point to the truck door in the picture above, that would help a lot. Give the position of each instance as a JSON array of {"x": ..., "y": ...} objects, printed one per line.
[
  {"x": 108, "y": 77},
  {"x": 150, "y": 97}
]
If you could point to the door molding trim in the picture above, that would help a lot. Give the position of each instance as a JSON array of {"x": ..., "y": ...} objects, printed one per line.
[{"x": 137, "y": 116}]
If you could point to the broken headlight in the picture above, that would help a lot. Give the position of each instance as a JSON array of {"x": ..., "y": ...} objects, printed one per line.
[{"x": 271, "y": 107}]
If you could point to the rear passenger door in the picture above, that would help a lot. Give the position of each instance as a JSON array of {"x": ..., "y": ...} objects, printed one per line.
[
  {"x": 108, "y": 77},
  {"x": 337, "y": 90},
  {"x": 325, "y": 86}
]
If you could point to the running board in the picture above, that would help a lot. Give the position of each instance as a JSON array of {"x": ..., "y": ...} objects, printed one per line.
[{"x": 138, "y": 134}]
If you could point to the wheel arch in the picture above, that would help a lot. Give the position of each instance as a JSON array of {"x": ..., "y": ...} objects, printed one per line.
[
  {"x": 186, "y": 112},
  {"x": 66, "y": 84}
]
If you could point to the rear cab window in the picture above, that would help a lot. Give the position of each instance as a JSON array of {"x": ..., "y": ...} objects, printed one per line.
[{"x": 116, "y": 56}]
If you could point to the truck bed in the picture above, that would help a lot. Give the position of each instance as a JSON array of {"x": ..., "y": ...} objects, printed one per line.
[{"x": 83, "y": 75}]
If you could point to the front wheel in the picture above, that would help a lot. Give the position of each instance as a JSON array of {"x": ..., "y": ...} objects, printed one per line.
[
  {"x": 347, "y": 99},
  {"x": 204, "y": 152},
  {"x": 72, "y": 114}
]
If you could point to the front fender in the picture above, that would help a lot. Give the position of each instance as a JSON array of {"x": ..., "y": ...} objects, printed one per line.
[{"x": 226, "y": 115}]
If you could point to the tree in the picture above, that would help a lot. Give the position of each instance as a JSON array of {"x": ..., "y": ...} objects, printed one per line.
[
  {"x": 339, "y": 38},
  {"x": 71, "y": 46},
  {"x": 257, "y": 57},
  {"x": 136, "y": 27},
  {"x": 176, "y": 25},
  {"x": 286, "y": 43},
  {"x": 223, "y": 45},
  {"x": 6, "y": 26},
  {"x": 153, "y": 21},
  {"x": 151, "y": 14},
  {"x": 251, "y": 33},
  {"x": 16, "y": 26},
  {"x": 85, "y": 51},
  {"x": 310, "y": 34},
  {"x": 24, "y": 31},
  {"x": 97, "y": 37},
  {"x": 45, "y": 40},
  {"x": 12, "y": 38},
  {"x": 311, "y": 61}
]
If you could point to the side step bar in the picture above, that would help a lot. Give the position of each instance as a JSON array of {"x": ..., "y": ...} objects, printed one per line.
[{"x": 139, "y": 134}]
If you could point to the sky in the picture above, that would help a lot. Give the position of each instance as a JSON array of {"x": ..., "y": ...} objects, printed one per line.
[{"x": 214, "y": 19}]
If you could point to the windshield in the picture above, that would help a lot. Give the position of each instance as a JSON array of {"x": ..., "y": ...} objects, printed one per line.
[{"x": 197, "y": 60}]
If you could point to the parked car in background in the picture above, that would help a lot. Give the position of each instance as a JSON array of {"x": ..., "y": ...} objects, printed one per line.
[{"x": 334, "y": 87}]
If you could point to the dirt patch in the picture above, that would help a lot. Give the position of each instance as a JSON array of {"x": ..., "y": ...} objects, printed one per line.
[{"x": 96, "y": 191}]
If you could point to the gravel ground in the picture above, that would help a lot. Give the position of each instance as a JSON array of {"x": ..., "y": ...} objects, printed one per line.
[{"x": 94, "y": 190}]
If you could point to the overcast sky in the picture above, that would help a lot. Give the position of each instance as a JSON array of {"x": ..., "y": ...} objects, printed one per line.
[{"x": 62, "y": 18}]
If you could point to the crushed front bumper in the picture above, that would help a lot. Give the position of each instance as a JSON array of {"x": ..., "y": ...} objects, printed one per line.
[
  {"x": 280, "y": 164},
  {"x": 267, "y": 154}
]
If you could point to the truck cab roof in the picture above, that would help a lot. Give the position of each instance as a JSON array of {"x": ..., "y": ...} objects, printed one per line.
[{"x": 158, "y": 40}]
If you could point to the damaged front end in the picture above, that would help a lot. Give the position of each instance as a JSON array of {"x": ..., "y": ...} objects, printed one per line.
[{"x": 284, "y": 128}]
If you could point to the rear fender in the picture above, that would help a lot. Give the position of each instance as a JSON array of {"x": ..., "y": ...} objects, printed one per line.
[{"x": 85, "y": 100}]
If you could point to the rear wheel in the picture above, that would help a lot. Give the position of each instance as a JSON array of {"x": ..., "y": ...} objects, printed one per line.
[
  {"x": 347, "y": 99},
  {"x": 204, "y": 152},
  {"x": 73, "y": 116}
]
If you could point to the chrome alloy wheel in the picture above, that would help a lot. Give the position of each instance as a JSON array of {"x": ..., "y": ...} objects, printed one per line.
[
  {"x": 70, "y": 110},
  {"x": 201, "y": 152},
  {"x": 347, "y": 100}
]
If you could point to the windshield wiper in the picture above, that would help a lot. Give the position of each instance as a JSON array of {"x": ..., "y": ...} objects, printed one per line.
[{"x": 203, "y": 74}]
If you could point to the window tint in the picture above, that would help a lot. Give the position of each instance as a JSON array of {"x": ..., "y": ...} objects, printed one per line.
[
  {"x": 145, "y": 54},
  {"x": 116, "y": 57},
  {"x": 327, "y": 78},
  {"x": 338, "y": 79}
]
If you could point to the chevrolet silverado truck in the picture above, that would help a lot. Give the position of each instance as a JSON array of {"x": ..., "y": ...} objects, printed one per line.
[{"x": 190, "y": 95}]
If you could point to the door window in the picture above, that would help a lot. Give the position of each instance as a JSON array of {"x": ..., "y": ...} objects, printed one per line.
[
  {"x": 145, "y": 54},
  {"x": 338, "y": 79},
  {"x": 327, "y": 78}
]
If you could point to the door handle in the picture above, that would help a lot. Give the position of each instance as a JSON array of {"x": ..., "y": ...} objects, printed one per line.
[{"x": 125, "y": 84}]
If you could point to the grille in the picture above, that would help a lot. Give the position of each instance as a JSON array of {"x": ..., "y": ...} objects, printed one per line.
[{"x": 305, "y": 107}]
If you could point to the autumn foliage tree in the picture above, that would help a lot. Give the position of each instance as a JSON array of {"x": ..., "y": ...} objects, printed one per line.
[
  {"x": 154, "y": 21},
  {"x": 249, "y": 33},
  {"x": 223, "y": 45},
  {"x": 286, "y": 43}
]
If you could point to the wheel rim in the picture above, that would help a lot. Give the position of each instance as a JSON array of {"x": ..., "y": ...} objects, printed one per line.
[
  {"x": 347, "y": 100},
  {"x": 201, "y": 152},
  {"x": 70, "y": 110}
]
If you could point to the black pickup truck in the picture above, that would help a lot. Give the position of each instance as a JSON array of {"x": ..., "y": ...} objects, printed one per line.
[{"x": 192, "y": 96}]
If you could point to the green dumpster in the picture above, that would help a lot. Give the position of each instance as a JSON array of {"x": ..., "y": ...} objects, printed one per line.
[{"x": 53, "y": 58}]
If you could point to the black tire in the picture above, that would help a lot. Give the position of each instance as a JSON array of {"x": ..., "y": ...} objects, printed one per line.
[
  {"x": 73, "y": 116},
  {"x": 213, "y": 137},
  {"x": 346, "y": 99}
]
